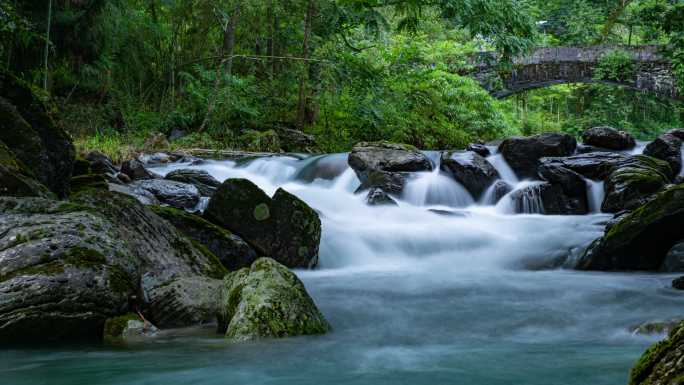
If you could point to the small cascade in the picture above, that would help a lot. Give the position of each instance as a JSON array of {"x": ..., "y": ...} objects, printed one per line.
[
  {"x": 639, "y": 148},
  {"x": 436, "y": 189},
  {"x": 595, "y": 195},
  {"x": 505, "y": 171},
  {"x": 327, "y": 167},
  {"x": 489, "y": 197},
  {"x": 681, "y": 171},
  {"x": 524, "y": 199}
]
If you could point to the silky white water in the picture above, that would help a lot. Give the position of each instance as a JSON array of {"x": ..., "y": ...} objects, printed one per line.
[{"x": 437, "y": 290}]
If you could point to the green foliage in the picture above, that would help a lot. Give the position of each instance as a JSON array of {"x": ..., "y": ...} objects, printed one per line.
[{"x": 617, "y": 66}]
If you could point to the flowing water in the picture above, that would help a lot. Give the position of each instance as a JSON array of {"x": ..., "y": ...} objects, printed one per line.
[{"x": 437, "y": 290}]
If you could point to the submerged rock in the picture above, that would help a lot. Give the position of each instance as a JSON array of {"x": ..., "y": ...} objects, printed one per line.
[
  {"x": 284, "y": 227},
  {"x": 205, "y": 183},
  {"x": 68, "y": 266},
  {"x": 523, "y": 153},
  {"x": 377, "y": 197},
  {"x": 641, "y": 239},
  {"x": 471, "y": 170},
  {"x": 667, "y": 147},
  {"x": 175, "y": 194},
  {"x": 231, "y": 250},
  {"x": 633, "y": 182},
  {"x": 678, "y": 283},
  {"x": 663, "y": 362},
  {"x": 267, "y": 301},
  {"x": 674, "y": 260},
  {"x": 608, "y": 138},
  {"x": 547, "y": 198},
  {"x": 121, "y": 329},
  {"x": 573, "y": 199}
]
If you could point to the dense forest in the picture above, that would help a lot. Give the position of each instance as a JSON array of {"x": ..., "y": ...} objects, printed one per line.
[{"x": 235, "y": 73}]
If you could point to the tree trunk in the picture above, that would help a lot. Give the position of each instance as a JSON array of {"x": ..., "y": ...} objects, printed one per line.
[
  {"x": 47, "y": 45},
  {"x": 304, "y": 77}
]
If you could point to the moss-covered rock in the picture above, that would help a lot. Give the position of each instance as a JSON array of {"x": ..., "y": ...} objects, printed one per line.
[
  {"x": 67, "y": 267},
  {"x": 641, "y": 239},
  {"x": 284, "y": 228},
  {"x": 233, "y": 252},
  {"x": 267, "y": 301},
  {"x": 27, "y": 128},
  {"x": 662, "y": 363},
  {"x": 88, "y": 181},
  {"x": 634, "y": 181}
]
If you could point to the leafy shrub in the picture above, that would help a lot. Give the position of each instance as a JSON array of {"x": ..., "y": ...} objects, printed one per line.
[{"x": 616, "y": 65}]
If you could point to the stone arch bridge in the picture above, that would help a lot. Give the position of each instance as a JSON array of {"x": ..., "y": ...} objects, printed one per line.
[{"x": 559, "y": 65}]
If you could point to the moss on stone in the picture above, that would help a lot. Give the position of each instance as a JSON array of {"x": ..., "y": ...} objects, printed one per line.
[
  {"x": 119, "y": 280},
  {"x": 261, "y": 212},
  {"x": 654, "y": 360},
  {"x": 48, "y": 269},
  {"x": 115, "y": 327}
]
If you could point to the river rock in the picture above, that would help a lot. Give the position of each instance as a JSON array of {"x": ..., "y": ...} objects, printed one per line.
[
  {"x": 678, "y": 283},
  {"x": 546, "y": 198},
  {"x": 574, "y": 200},
  {"x": 28, "y": 130},
  {"x": 479, "y": 149},
  {"x": 233, "y": 252},
  {"x": 523, "y": 153},
  {"x": 594, "y": 165},
  {"x": 378, "y": 197},
  {"x": 499, "y": 190},
  {"x": 66, "y": 267},
  {"x": 100, "y": 163},
  {"x": 205, "y": 183},
  {"x": 122, "y": 329},
  {"x": 135, "y": 170},
  {"x": 471, "y": 170},
  {"x": 674, "y": 260},
  {"x": 267, "y": 301},
  {"x": 656, "y": 327},
  {"x": 143, "y": 196},
  {"x": 641, "y": 239},
  {"x": 326, "y": 167},
  {"x": 667, "y": 147},
  {"x": 633, "y": 182},
  {"x": 175, "y": 194},
  {"x": 663, "y": 362},
  {"x": 386, "y": 165},
  {"x": 284, "y": 227},
  {"x": 608, "y": 138},
  {"x": 16, "y": 180}
]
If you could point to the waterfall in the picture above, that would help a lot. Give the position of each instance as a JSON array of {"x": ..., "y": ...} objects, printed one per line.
[
  {"x": 524, "y": 199},
  {"x": 505, "y": 171},
  {"x": 434, "y": 188},
  {"x": 595, "y": 195}
]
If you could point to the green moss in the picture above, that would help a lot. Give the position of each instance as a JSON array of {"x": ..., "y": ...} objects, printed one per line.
[
  {"x": 45, "y": 269},
  {"x": 119, "y": 280},
  {"x": 114, "y": 327},
  {"x": 81, "y": 167},
  {"x": 652, "y": 357},
  {"x": 88, "y": 182},
  {"x": 261, "y": 212},
  {"x": 215, "y": 268},
  {"x": 83, "y": 257}
]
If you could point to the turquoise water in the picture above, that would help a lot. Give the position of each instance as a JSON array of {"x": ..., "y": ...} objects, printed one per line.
[{"x": 478, "y": 328}]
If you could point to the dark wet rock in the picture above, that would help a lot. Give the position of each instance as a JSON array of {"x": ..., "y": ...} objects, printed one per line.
[
  {"x": 284, "y": 227},
  {"x": 479, "y": 149},
  {"x": 523, "y": 153},
  {"x": 81, "y": 167},
  {"x": 595, "y": 165},
  {"x": 68, "y": 266},
  {"x": 678, "y": 283},
  {"x": 500, "y": 190},
  {"x": 295, "y": 140},
  {"x": 135, "y": 170},
  {"x": 16, "y": 179},
  {"x": 633, "y": 182},
  {"x": 27, "y": 128},
  {"x": 326, "y": 167},
  {"x": 667, "y": 147},
  {"x": 90, "y": 181},
  {"x": 449, "y": 213},
  {"x": 674, "y": 260},
  {"x": 123, "y": 178},
  {"x": 378, "y": 197},
  {"x": 547, "y": 198},
  {"x": 573, "y": 186},
  {"x": 585, "y": 149},
  {"x": 127, "y": 328},
  {"x": 205, "y": 183},
  {"x": 267, "y": 301},
  {"x": 175, "y": 194},
  {"x": 608, "y": 138},
  {"x": 386, "y": 165},
  {"x": 678, "y": 132},
  {"x": 471, "y": 170},
  {"x": 641, "y": 239},
  {"x": 663, "y": 362},
  {"x": 655, "y": 327},
  {"x": 100, "y": 163},
  {"x": 182, "y": 301},
  {"x": 233, "y": 252},
  {"x": 143, "y": 196}
]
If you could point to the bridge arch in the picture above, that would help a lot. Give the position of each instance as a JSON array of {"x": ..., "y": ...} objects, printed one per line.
[{"x": 562, "y": 65}]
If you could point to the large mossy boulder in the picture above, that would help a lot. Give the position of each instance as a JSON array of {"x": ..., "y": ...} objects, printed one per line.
[
  {"x": 16, "y": 179},
  {"x": 593, "y": 165},
  {"x": 386, "y": 165},
  {"x": 641, "y": 239},
  {"x": 667, "y": 147},
  {"x": 608, "y": 138},
  {"x": 66, "y": 267},
  {"x": 663, "y": 362},
  {"x": 267, "y": 301},
  {"x": 523, "y": 153},
  {"x": 572, "y": 198},
  {"x": 284, "y": 227},
  {"x": 471, "y": 170},
  {"x": 233, "y": 252},
  {"x": 27, "y": 128},
  {"x": 633, "y": 182}
]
